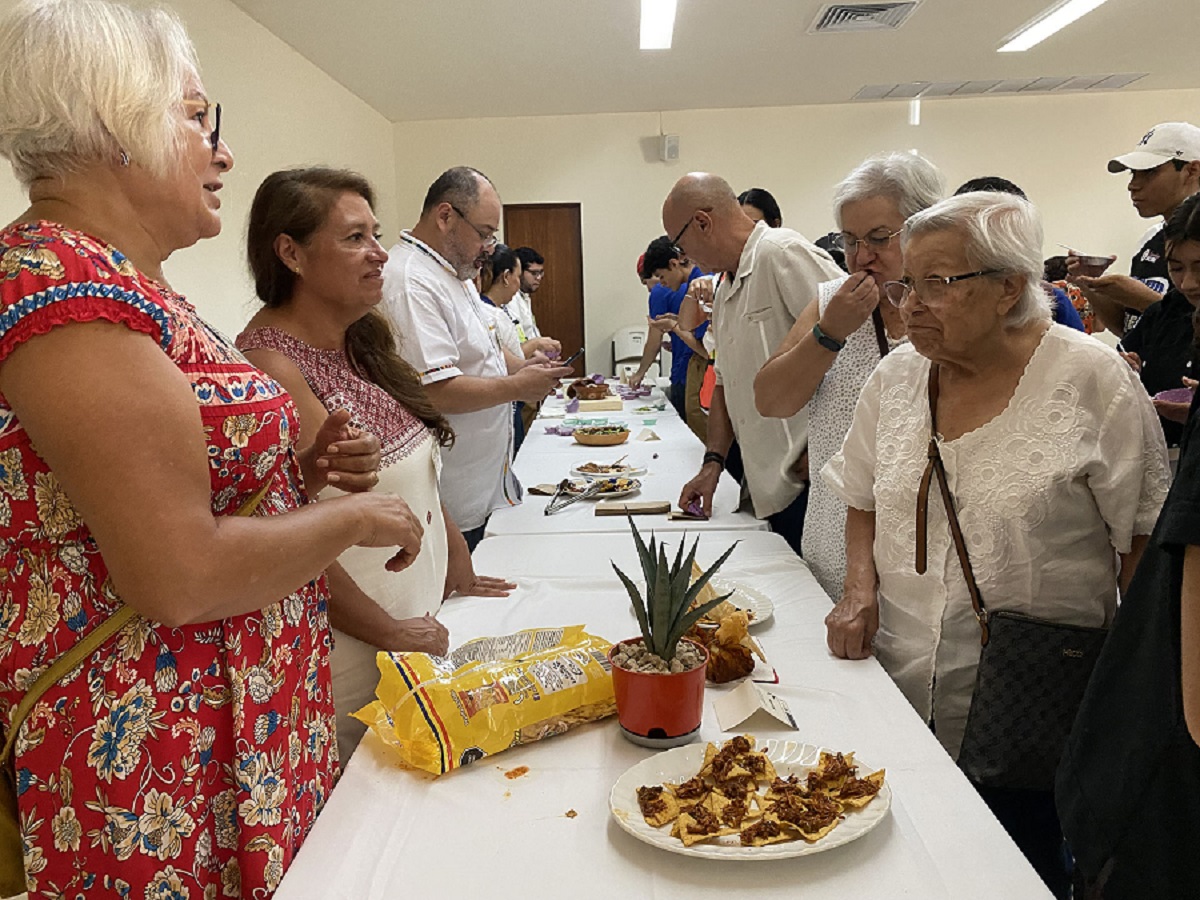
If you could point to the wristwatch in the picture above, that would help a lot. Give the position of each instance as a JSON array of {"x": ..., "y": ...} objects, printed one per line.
[{"x": 833, "y": 346}]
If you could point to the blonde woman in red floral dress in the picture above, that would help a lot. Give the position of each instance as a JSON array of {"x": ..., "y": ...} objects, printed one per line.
[{"x": 190, "y": 754}]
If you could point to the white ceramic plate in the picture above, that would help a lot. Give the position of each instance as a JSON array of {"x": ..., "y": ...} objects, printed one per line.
[
  {"x": 745, "y": 597},
  {"x": 680, "y": 764},
  {"x": 627, "y": 472},
  {"x": 583, "y": 483}
]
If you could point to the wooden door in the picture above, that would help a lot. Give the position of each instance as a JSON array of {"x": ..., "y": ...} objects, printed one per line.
[{"x": 552, "y": 229}]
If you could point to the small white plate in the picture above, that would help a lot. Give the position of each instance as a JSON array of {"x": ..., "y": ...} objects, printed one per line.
[
  {"x": 626, "y": 472},
  {"x": 745, "y": 597},
  {"x": 789, "y": 758}
]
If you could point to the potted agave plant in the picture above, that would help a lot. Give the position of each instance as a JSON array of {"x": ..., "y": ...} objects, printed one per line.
[{"x": 658, "y": 678}]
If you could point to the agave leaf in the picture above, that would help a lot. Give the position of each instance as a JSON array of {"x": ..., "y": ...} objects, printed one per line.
[
  {"x": 697, "y": 587},
  {"x": 690, "y": 619},
  {"x": 635, "y": 597},
  {"x": 659, "y": 605},
  {"x": 645, "y": 555}
]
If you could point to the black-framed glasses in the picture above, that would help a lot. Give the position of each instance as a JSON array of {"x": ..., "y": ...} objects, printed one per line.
[
  {"x": 876, "y": 243},
  {"x": 210, "y": 119},
  {"x": 933, "y": 289},
  {"x": 489, "y": 240},
  {"x": 686, "y": 225}
]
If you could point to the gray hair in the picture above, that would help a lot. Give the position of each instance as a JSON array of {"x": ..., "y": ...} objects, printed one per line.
[
  {"x": 908, "y": 178},
  {"x": 84, "y": 80},
  {"x": 458, "y": 187},
  {"x": 999, "y": 231}
]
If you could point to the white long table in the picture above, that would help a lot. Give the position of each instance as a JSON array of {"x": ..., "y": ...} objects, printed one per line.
[
  {"x": 388, "y": 832},
  {"x": 670, "y": 462}
]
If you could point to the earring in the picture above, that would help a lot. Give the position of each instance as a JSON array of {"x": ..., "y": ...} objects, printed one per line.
[{"x": 123, "y": 159}]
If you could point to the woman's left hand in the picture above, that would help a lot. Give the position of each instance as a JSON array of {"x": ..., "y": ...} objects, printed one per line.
[
  {"x": 422, "y": 634},
  {"x": 342, "y": 456},
  {"x": 460, "y": 572}
]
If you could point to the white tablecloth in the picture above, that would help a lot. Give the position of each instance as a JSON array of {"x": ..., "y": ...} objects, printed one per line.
[
  {"x": 388, "y": 832},
  {"x": 670, "y": 462}
]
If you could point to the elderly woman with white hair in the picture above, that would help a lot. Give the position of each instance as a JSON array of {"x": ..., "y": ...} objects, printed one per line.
[
  {"x": 1053, "y": 460},
  {"x": 838, "y": 341},
  {"x": 163, "y": 598}
]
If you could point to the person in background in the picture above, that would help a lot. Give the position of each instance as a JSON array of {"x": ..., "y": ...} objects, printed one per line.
[
  {"x": 149, "y": 470},
  {"x": 1137, "y": 837},
  {"x": 675, "y": 275},
  {"x": 770, "y": 275},
  {"x": 1062, "y": 309},
  {"x": 450, "y": 338},
  {"x": 838, "y": 341},
  {"x": 1055, "y": 272},
  {"x": 1161, "y": 346},
  {"x": 313, "y": 247},
  {"x": 1164, "y": 170},
  {"x": 499, "y": 283},
  {"x": 1056, "y": 464},
  {"x": 760, "y": 205},
  {"x": 533, "y": 270}
]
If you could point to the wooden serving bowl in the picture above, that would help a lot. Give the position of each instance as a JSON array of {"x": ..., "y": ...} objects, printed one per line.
[{"x": 601, "y": 440}]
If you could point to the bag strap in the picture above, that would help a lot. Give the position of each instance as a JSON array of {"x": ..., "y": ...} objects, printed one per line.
[
  {"x": 881, "y": 337},
  {"x": 92, "y": 642},
  {"x": 933, "y": 468}
]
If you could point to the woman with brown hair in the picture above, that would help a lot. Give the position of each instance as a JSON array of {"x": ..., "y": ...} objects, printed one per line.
[{"x": 313, "y": 248}]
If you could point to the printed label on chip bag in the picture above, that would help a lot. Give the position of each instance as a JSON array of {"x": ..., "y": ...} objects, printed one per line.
[{"x": 492, "y": 693}]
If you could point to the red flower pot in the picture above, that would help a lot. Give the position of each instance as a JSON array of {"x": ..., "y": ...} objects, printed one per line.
[{"x": 659, "y": 709}]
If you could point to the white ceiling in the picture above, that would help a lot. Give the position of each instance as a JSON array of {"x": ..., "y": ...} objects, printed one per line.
[{"x": 449, "y": 59}]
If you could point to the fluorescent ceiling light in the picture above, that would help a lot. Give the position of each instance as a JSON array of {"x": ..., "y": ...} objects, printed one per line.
[
  {"x": 1053, "y": 20},
  {"x": 658, "y": 21}
]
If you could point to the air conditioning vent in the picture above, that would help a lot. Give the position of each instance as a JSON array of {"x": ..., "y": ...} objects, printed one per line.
[
  {"x": 1047, "y": 84},
  {"x": 862, "y": 17}
]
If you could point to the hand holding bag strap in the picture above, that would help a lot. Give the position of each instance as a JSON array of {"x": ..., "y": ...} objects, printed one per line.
[
  {"x": 92, "y": 642},
  {"x": 935, "y": 468}
]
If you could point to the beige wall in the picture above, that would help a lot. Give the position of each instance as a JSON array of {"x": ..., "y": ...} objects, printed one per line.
[
  {"x": 1054, "y": 147},
  {"x": 278, "y": 110}
]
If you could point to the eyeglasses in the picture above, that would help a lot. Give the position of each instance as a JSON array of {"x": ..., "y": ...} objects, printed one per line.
[
  {"x": 686, "y": 225},
  {"x": 876, "y": 243},
  {"x": 489, "y": 238},
  {"x": 204, "y": 109},
  {"x": 535, "y": 273},
  {"x": 933, "y": 290}
]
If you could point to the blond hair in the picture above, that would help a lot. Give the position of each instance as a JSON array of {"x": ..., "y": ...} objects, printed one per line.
[{"x": 82, "y": 81}]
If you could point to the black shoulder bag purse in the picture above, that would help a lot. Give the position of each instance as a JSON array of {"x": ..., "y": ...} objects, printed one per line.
[{"x": 1032, "y": 673}]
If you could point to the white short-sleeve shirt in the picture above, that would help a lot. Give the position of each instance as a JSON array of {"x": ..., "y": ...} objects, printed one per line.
[
  {"x": 753, "y": 311},
  {"x": 1047, "y": 494},
  {"x": 443, "y": 330}
]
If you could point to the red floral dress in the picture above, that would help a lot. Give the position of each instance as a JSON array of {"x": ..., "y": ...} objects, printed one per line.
[{"x": 176, "y": 762}]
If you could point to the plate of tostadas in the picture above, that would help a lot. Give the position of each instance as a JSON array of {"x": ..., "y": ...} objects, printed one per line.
[{"x": 749, "y": 801}]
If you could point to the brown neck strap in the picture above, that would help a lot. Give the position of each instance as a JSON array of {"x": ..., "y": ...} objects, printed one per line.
[{"x": 935, "y": 468}]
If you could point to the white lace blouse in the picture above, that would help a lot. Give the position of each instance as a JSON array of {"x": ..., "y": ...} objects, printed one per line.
[{"x": 1047, "y": 493}]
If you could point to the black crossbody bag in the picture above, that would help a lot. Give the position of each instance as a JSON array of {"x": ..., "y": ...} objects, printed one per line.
[{"x": 1032, "y": 673}]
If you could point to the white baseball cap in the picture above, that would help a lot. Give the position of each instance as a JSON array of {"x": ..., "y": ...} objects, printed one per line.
[{"x": 1170, "y": 140}]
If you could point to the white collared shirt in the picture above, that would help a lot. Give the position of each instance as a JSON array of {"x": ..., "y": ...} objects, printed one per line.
[
  {"x": 753, "y": 311},
  {"x": 444, "y": 330},
  {"x": 522, "y": 309}
]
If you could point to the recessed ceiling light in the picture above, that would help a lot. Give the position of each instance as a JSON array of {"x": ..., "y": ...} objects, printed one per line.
[
  {"x": 1051, "y": 21},
  {"x": 658, "y": 21}
]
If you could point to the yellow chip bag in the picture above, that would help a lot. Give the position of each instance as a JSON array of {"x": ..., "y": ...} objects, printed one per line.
[{"x": 442, "y": 712}]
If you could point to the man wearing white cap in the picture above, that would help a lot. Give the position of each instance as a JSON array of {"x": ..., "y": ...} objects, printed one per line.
[{"x": 1165, "y": 171}]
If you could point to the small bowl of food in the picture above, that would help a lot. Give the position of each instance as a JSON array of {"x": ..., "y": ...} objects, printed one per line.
[{"x": 601, "y": 435}]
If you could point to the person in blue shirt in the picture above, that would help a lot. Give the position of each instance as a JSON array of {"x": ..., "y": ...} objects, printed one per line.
[{"x": 675, "y": 273}]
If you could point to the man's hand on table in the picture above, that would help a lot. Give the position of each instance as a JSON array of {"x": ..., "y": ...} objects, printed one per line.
[
  {"x": 852, "y": 623},
  {"x": 701, "y": 489}
]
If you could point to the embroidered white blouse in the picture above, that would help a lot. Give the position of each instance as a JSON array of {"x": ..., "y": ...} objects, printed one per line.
[{"x": 1048, "y": 493}]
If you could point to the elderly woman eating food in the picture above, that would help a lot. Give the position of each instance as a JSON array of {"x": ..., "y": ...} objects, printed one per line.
[{"x": 1054, "y": 460}]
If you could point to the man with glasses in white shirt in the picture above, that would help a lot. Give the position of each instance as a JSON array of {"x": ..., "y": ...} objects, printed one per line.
[
  {"x": 770, "y": 276},
  {"x": 444, "y": 331}
]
